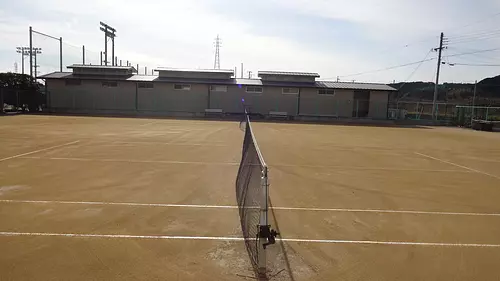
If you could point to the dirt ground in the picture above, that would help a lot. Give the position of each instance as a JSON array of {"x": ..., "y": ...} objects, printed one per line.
[{"x": 89, "y": 198}]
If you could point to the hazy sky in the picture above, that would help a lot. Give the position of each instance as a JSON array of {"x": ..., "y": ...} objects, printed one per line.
[{"x": 333, "y": 38}]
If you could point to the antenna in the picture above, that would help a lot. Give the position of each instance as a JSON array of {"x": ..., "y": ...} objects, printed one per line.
[{"x": 217, "y": 44}]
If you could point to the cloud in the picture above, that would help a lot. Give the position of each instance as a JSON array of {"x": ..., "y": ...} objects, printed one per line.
[{"x": 329, "y": 37}]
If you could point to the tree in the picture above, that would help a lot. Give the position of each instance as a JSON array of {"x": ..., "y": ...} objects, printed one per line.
[{"x": 19, "y": 90}]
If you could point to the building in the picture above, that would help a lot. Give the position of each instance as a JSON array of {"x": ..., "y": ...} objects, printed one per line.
[{"x": 196, "y": 92}]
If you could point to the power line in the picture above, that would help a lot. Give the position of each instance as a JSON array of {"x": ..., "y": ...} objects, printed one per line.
[
  {"x": 472, "y": 64},
  {"x": 387, "y": 68},
  {"x": 415, "y": 70},
  {"x": 475, "y": 52},
  {"x": 483, "y": 19}
]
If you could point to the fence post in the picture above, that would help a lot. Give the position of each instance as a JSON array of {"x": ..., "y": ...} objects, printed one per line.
[
  {"x": 357, "y": 108},
  {"x": 487, "y": 113},
  {"x": 1, "y": 101}
]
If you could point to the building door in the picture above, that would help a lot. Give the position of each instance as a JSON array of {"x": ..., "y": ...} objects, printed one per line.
[{"x": 361, "y": 104}]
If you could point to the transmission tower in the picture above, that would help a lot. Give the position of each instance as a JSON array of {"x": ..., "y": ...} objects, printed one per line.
[{"x": 217, "y": 43}]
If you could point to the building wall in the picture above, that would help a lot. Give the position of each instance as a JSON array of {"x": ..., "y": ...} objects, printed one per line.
[
  {"x": 271, "y": 99},
  {"x": 163, "y": 97},
  {"x": 200, "y": 75},
  {"x": 378, "y": 104},
  {"x": 91, "y": 95},
  {"x": 340, "y": 104}
]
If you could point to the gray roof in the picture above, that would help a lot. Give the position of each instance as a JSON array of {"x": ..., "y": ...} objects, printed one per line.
[
  {"x": 101, "y": 67},
  {"x": 226, "y": 71},
  {"x": 354, "y": 86},
  {"x": 55, "y": 75},
  {"x": 287, "y": 73},
  {"x": 237, "y": 81}
]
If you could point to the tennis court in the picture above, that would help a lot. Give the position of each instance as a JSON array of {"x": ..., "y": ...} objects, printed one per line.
[{"x": 88, "y": 198}]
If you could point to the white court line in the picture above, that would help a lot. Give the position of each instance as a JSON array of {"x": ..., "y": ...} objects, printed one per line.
[
  {"x": 40, "y": 150},
  {"x": 163, "y": 143},
  {"x": 149, "y": 123},
  {"x": 132, "y": 161},
  {"x": 457, "y": 165},
  {"x": 412, "y": 212},
  {"x": 365, "y": 168},
  {"x": 222, "y": 238}
]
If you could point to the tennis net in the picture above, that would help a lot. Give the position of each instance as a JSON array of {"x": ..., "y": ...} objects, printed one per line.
[{"x": 252, "y": 196}]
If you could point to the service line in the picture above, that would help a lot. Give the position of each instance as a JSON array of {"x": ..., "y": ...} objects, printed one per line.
[
  {"x": 40, "y": 150},
  {"x": 457, "y": 165},
  {"x": 200, "y": 206},
  {"x": 229, "y": 238}
]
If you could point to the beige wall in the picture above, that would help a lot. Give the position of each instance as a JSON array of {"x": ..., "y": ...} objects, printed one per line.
[
  {"x": 340, "y": 104},
  {"x": 271, "y": 99},
  {"x": 201, "y": 75},
  {"x": 378, "y": 104},
  {"x": 164, "y": 98},
  {"x": 91, "y": 95}
]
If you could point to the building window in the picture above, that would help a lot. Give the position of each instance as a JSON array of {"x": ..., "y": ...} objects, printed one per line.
[
  {"x": 109, "y": 84},
  {"x": 182, "y": 87},
  {"x": 73, "y": 82},
  {"x": 254, "y": 90},
  {"x": 290, "y": 91},
  {"x": 145, "y": 85},
  {"x": 330, "y": 92},
  {"x": 218, "y": 88}
]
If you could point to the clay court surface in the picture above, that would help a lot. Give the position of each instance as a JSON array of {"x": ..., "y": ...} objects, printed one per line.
[{"x": 88, "y": 198}]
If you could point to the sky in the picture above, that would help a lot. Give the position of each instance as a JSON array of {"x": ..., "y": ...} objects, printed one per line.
[{"x": 360, "y": 40}]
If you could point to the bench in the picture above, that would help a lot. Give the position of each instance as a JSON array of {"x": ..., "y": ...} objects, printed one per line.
[
  {"x": 278, "y": 114},
  {"x": 213, "y": 112}
]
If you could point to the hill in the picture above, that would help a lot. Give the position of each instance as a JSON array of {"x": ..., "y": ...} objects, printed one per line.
[{"x": 488, "y": 92}]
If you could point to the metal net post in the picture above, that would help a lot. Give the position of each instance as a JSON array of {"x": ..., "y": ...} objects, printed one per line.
[{"x": 263, "y": 224}]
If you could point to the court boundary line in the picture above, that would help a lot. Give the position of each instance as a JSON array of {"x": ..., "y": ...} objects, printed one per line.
[
  {"x": 364, "y": 168},
  {"x": 117, "y": 143},
  {"x": 229, "y": 238},
  {"x": 236, "y": 163},
  {"x": 133, "y": 161},
  {"x": 457, "y": 165},
  {"x": 201, "y": 206},
  {"x": 39, "y": 150}
]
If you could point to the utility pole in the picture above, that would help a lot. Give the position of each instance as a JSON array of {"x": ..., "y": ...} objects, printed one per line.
[
  {"x": 83, "y": 54},
  {"x": 109, "y": 32},
  {"x": 473, "y": 103},
  {"x": 440, "y": 51},
  {"x": 24, "y": 51},
  {"x": 217, "y": 44},
  {"x": 241, "y": 70}
]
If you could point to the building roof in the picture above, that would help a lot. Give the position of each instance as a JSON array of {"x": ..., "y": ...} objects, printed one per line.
[
  {"x": 237, "y": 81},
  {"x": 287, "y": 73},
  {"x": 101, "y": 67},
  {"x": 225, "y": 71},
  {"x": 56, "y": 75},
  {"x": 354, "y": 86}
]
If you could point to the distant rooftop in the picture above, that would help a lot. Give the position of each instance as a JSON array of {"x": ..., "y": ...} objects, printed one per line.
[
  {"x": 226, "y": 71},
  {"x": 288, "y": 73},
  {"x": 101, "y": 67}
]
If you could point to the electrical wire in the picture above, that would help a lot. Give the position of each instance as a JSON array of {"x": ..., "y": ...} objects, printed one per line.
[
  {"x": 474, "y": 52},
  {"x": 472, "y": 64},
  {"x": 387, "y": 68},
  {"x": 415, "y": 70}
]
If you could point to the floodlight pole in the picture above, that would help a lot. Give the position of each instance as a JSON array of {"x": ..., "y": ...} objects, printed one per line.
[
  {"x": 83, "y": 54},
  {"x": 60, "y": 54},
  {"x": 31, "y": 52}
]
